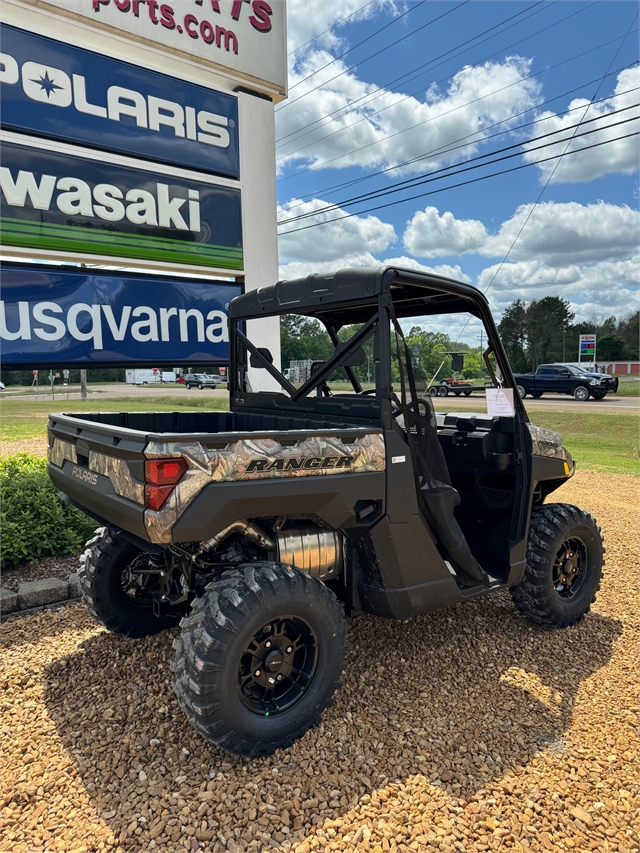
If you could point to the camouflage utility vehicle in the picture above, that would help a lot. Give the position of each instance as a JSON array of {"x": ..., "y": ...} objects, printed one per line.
[{"x": 260, "y": 529}]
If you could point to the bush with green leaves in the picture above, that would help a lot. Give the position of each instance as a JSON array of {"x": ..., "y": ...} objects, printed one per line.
[{"x": 35, "y": 522}]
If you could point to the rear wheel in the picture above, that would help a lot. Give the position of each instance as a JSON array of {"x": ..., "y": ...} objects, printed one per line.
[
  {"x": 200, "y": 385},
  {"x": 467, "y": 393},
  {"x": 259, "y": 657},
  {"x": 433, "y": 391},
  {"x": 443, "y": 391},
  {"x": 581, "y": 393},
  {"x": 115, "y": 593},
  {"x": 565, "y": 556},
  {"x": 522, "y": 392}
]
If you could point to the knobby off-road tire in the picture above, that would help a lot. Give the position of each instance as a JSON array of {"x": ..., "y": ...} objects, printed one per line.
[
  {"x": 565, "y": 558},
  {"x": 262, "y": 607},
  {"x": 101, "y": 575}
]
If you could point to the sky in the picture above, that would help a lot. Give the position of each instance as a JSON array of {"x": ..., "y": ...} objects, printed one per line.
[{"x": 432, "y": 94}]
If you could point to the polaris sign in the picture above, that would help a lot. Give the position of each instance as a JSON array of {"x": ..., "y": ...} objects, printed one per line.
[
  {"x": 74, "y": 318},
  {"x": 59, "y": 201},
  {"x": 68, "y": 93}
]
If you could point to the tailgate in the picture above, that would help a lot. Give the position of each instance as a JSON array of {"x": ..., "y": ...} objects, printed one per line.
[{"x": 100, "y": 468}]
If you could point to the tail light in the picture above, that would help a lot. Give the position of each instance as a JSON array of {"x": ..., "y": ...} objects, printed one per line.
[{"x": 161, "y": 477}]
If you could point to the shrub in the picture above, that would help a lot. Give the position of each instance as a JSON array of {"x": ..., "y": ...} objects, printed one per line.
[{"x": 35, "y": 522}]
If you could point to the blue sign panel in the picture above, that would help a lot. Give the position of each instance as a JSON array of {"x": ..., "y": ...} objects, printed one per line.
[
  {"x": 54, "y": 316},
  {"x": 58, "y": 201},
  {"x": 69, "y": 93}
]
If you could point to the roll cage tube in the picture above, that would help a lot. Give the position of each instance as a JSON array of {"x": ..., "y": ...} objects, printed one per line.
[{"x": 343, "y": 351}]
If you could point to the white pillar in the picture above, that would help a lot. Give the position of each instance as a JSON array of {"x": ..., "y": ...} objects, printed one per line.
[{"x": 258, "y": 176}]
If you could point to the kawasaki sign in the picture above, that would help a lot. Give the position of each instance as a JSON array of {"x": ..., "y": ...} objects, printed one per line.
[
  {"x": 63, "y": 202},
  {"x": 74, "y": 317},
  {"x": 62, "y": 92}
]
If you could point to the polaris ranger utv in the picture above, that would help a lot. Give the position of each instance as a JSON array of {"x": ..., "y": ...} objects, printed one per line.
[{"x": 258, "y": 529}]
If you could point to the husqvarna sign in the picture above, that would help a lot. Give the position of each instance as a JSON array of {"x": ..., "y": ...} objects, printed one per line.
[
  {"x": 75, "y": 317},
  {"x": 63, "y": 92}
]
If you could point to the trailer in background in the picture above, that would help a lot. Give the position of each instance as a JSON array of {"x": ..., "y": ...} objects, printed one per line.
[{"x": 151, "y": 376}]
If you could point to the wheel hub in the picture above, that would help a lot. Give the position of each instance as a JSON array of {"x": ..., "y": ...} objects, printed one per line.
[
  {"x": 570, "y": 568},
  {"x": 277, "y": 666}
]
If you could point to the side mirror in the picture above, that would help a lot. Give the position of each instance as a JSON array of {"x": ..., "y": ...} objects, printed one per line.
[{"x": 265, "y": 353}]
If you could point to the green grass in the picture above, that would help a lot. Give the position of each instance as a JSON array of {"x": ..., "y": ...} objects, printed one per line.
[
  {"x": 21, "y": 419},
  {"x": 606, "y": 442},
  {"x": 628, "y": 388}
]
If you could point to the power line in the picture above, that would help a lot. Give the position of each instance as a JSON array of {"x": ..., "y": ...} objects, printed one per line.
[
  {"x": 344, "y": 53},
  {"x": 428, "y": 177},
  {"x": 566, "y": 152},
  {"x": 351, "y": 106},
  {"x": 449, "y": 147},
  {"x": 463, "y": 183},
  {"x": 434, "y": 118},
  {"x": 337, "y": 24}
]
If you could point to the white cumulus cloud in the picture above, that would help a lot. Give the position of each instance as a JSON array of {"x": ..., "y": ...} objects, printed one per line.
[
  {"x": 560, "y": 234},
  {"x": 388, "y": 127},
  {"x": 622, "y": 155},
  {"x": 354, "y": 236},
  {"x": 431, "y": 235}
]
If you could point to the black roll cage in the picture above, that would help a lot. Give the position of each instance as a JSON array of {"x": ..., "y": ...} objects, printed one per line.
[{"x": 358, "y": 296}]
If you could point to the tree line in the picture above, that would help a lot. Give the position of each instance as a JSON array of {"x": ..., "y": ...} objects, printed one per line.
[
  {"x": 304, "y": 338},
  {"x": 543, "y": 331}
]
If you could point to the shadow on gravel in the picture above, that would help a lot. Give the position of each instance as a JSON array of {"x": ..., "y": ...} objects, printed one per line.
[{"x": 463, "y": 696}]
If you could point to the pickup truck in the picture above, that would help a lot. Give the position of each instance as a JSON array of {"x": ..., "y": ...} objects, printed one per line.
[
  {"x": 261, "y": 528},
  {"x": 565, "y": 379}
]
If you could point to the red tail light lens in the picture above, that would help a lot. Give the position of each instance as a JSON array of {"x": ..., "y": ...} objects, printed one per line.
[{"x": 161, "y": 476}]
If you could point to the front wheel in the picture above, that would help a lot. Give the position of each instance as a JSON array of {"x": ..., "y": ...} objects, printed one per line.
[
  {"x": 536, "y": 395},
  {"x": 581, "y": 393},
  {"x": 565, "y": 556},
  {"x": 522, "y": 391},
  {"x": 118, "y": 588},
  {"x": 259, "y": 658},
  {"x": 598, "y": 395}
]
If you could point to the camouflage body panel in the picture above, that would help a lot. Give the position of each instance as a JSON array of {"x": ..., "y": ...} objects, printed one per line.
[
  {"x": 257, "y": 459},
  {"x": 548, "y": 443},
  {"x": 118, "y": 472},
  {"x": 62, "y": 450}
]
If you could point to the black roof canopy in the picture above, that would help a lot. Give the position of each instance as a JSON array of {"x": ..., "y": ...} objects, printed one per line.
[{"x": 351, "y": 296}]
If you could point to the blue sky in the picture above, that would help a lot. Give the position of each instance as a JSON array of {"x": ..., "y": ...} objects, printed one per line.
[{"x": 459, "y": 73}]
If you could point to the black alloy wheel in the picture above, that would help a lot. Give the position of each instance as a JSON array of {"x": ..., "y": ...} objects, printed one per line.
[
  {"x": 565, "y": 557},
  {"x": 570, "y": 568},
  {"x": 277, "y": 666},
  {"x": 259, "y": 657}
]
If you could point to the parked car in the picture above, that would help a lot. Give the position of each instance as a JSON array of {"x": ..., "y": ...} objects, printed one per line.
[
  {"x": 565, "y": 379},
  {"x": 202, "y": 380}
]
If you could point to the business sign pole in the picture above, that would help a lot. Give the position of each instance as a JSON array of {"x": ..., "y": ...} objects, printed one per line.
[{"x": 587, "y": 347}]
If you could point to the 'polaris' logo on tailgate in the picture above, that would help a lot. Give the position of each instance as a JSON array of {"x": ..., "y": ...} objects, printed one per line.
[{"x": 83, "y": 474}]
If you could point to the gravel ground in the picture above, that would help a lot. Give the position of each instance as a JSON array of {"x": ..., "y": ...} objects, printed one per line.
[
  {"x": 465, "y": 730},
  {"x": 46, "y": 567}
]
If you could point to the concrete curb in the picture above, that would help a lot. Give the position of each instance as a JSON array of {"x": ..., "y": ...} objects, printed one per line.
[{"x": 39, "y": 595}]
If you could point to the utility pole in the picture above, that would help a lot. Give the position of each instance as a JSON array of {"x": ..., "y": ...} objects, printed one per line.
[{"x": 83, "y": 384}]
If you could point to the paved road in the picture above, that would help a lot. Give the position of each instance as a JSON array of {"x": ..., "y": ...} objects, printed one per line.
[{"x": 558, "y": 403}]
